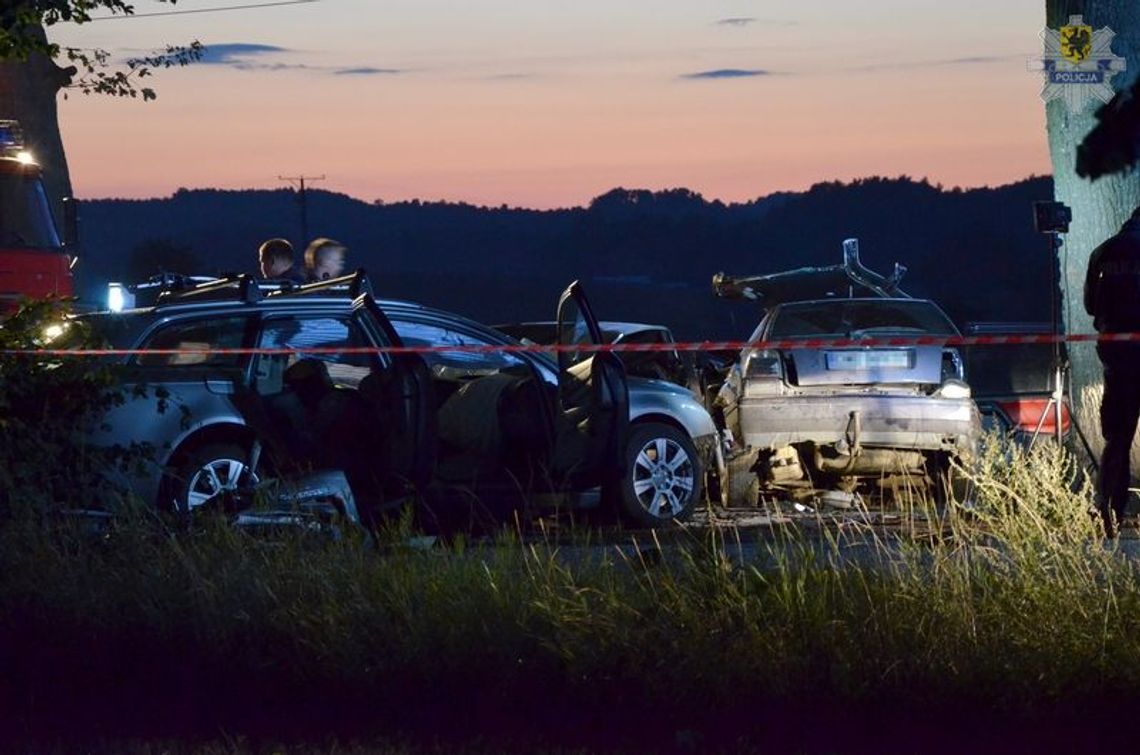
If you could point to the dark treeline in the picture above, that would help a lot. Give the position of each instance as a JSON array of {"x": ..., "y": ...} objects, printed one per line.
[{"x": 646, "y": 256}]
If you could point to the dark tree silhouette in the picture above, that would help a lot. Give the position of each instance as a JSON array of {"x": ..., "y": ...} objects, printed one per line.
[
  {"x": 161, "y": 255},
  {"x": 34, "y": 70}
]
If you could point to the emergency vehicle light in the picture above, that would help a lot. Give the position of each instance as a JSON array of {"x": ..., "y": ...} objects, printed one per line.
[
  {"x": 119, "y": 298},
  {"x": 11, "y": 138}
]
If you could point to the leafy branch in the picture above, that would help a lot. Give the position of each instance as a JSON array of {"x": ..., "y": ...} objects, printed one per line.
[
  {"x": 98, "y": 77},
  {"x": 22, "y": 34}
]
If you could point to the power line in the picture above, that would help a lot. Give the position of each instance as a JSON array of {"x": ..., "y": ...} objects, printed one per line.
[
  {"x": 217, "y": 9},
  {"x": 302, "y": 201}
]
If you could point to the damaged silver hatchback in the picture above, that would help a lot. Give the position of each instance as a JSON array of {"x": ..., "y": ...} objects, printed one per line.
[{"x": 872, "y": 419}]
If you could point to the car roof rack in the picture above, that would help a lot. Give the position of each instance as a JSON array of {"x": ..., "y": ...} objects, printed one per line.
[
  {"x": 241, "y": 287},
  {"x": 169, "y": 282},
  {"x": 353, "y": 285}
]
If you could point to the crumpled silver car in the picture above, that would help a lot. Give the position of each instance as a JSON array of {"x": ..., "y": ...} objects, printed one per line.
[
  {"x": 660, "y": 364},
  {"x": 869, "y": 419}
]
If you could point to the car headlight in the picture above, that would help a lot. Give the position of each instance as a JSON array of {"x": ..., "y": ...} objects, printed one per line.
[
  {"x": 52, "y": 332},
  {"x": 954, "y": 389}
]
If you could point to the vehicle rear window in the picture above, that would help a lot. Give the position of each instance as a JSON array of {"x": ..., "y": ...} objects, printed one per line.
[
  {"x": 846, "y": 318},
  {"x": 194, "y": 343}
]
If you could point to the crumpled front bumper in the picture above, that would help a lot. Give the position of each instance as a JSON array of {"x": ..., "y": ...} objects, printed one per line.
[{"x": 710, "y": 449}]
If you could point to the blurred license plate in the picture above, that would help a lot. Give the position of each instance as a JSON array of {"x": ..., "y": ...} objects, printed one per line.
[{"x": 870, "y": 360}]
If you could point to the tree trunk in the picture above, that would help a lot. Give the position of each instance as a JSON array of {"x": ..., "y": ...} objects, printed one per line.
[
  {"x": 1100, "y": 207},
  {"x": 28, "y": 91}
]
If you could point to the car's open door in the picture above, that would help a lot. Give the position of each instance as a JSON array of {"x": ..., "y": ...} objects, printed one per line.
[
  {"x": 400, "y": 387},
  {"x": 593, "y": 399}
]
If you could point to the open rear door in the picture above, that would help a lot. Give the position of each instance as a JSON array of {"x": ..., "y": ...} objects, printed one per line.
[
  {"x": 593, "y": 399},
  {"x": 401, "y": 389}
]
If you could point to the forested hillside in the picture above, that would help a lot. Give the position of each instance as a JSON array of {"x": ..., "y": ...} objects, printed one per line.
[{"x": 643, "y": 255}]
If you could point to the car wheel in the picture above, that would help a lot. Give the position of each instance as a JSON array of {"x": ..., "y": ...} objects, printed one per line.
[
  {"x": 949, "y": 484},
  {"x": 209, "y": 470},
  {"x": 663, "y": 477},
  {"x": 743, "y": 484}
]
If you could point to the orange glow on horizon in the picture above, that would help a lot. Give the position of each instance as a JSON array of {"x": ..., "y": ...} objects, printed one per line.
[{"x": 554, "y": 129}]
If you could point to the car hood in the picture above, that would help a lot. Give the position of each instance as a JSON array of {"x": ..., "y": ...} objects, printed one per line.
[
  {"x": 911, "y": 365},
  {"x": 651, "y": 385}
]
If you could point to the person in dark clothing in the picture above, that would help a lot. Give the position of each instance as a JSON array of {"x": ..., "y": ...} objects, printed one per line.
[
  {"x": 1112, "y": 297},
  {"x": 275, "y": 261}
]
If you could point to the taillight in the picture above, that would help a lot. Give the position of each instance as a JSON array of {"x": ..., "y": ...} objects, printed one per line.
[
  {"x": 952, "y": 366},
  {"x": 763, "y": 373},
  {"x": 1027, "y": 414},
  {"x": 763, "y": 363}
]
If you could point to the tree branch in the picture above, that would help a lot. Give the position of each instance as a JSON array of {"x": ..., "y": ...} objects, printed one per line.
[{"x": 22, "y": 34}]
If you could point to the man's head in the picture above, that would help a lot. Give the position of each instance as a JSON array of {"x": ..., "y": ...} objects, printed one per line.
[
  {"x": 275, "y": 257},
  {"x": 324, "y": 258}
]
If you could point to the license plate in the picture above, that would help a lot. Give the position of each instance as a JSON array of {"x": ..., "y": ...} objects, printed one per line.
[{"x": 870, "y": 360}]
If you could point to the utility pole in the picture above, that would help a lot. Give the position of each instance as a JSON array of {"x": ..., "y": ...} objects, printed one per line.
[{"x": 302, "y": 201}]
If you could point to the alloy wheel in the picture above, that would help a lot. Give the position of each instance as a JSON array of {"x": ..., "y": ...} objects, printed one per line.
[
  {"x": 664, "y": 477},
  {"x": 215, "y": 477}
]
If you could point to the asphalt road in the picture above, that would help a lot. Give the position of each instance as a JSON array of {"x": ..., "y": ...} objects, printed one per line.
[{"x": 762, "y": 538}]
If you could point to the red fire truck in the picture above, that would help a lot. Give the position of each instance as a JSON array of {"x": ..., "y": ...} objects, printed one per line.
[{"x": 34, "y": 261}]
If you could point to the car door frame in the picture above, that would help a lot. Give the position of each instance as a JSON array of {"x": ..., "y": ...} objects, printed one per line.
[
  {"x": 367, "y": 310},
  {"x": 491, "y": 337},
  {"x": 607, "y": 455}
]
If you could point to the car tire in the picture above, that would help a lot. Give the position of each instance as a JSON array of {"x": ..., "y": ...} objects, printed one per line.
[
  {"x": 663, "y": 479},
  {"x": 206, "y": 471},
  {"x": 743, "y": 484},
  {"x": 949, "y": 484}
]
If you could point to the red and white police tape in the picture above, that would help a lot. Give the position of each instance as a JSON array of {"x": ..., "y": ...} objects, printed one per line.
[{"x": 785, "y": 344}]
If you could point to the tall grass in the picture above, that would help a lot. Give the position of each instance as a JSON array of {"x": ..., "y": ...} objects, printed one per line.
[{"x": 1013, "y": 606}]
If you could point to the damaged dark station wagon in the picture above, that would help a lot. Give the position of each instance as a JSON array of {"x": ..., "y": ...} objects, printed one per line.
[{"x": 473, "y": 430}]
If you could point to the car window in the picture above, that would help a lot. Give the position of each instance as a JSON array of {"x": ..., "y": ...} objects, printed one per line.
[
  {"x": 323, "y": 333},
  {"x": 644, "y": 336},
  {"x": 100, "y": 329},
  {"x": 533, "y": 332},
  {"x": 197, "y": 343},
  {"x": 852, "y": 318},
  {"x": 659, "y": 365},
  {"x": 453, "y": 364}
]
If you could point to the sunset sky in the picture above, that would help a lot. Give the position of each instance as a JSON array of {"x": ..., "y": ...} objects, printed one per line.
[{"x": 539, "y": 103}]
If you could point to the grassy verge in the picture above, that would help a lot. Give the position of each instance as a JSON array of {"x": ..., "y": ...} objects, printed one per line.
[{"x": 1017, "y": 614}]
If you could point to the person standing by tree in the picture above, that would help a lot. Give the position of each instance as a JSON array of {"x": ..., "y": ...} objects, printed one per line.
[
  {"x": 324, "y": 259},
  {"x": 275, "y": 260},
  {"x": 1112, "y": 297}
]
